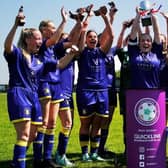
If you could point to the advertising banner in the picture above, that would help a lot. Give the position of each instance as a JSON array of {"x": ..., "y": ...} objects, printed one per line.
[{"x": 146, "y": 129}]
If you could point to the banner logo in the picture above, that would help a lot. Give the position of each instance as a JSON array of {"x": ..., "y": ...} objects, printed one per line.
[{"x": 147, "y": 111}]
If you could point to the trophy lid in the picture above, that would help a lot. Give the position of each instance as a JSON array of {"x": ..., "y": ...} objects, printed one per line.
[{"x": 145, "y": 5}]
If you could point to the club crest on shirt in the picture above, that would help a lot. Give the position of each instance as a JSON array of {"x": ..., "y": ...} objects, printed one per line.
[
  {"x": 40, "y": 118},
  {"x": 46, "y": 90},
  {"x": 106, "y": 112},
  {"x": 95, "y": 61},
  {"x": 39, "y": 62},
  {"x": 84, "y": 112},
  {"x": 26, "y": 111}
]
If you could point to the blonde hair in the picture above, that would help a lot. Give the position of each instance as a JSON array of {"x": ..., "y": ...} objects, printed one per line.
[{"x": 25, "y": 34}]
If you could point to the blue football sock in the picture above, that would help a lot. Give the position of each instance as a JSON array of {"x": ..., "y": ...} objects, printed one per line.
[
  {"x": 19, "y": 158},
  {"x": 48, "y": 143}
]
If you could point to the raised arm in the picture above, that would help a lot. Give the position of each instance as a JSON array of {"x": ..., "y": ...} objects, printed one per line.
[
  {"x": 64, "y": 61},
  {"x": 104, "y": 34},
  {"x": 165, "y": 15},
  {"x": 76, "y": 31},
  {"x": 165, "y": 47},
  {"x": 156, "y": 29},
  {"x": 74, "y": 35},
  {"x": 135, "y": 26},
  {"x": 121, "y": 35},
  {"x": 8, "y": 44},
  {"x": 56, "y": 36},
  {"x": 106, "y": 45},
  {"x": 82, "y": 39}
]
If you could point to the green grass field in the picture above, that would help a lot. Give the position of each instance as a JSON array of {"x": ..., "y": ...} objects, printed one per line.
[
  {"x": 114, "y": 143},
  {"x": 7, "y": 134}
]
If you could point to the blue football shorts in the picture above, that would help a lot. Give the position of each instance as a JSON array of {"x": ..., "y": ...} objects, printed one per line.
[
  {"x": 93, "y": 102},
  {"x": 50, "y": 91},
  {"x": 23, "y": 104}
]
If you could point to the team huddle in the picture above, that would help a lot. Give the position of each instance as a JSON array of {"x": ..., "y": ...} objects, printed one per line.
[{"x": 41, "y": 80}]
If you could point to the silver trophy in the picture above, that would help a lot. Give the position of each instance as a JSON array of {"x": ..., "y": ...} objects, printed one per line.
[{"x": 145, "y": 12}]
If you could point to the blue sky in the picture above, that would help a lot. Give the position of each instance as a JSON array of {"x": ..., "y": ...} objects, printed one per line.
[{"x": 37, "y": 10}]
